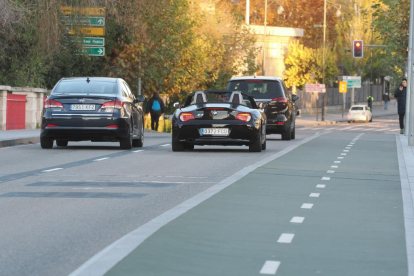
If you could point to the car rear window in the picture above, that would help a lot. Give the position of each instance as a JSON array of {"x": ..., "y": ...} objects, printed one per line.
[
  {"x": 357, "y": 108},
  {"x": 83, "y": 87},
  {"x": 258, "y": 89}
]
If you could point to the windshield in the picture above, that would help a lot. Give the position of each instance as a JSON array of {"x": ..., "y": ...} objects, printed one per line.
[
  {"x": 83, "y": 87},
  {"x": 258, "y": 89}
]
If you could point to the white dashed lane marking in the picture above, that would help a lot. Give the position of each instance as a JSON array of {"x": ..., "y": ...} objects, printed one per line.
[
  {"x": 166, "y": 145},
  {"x": 286, "y": 238},
  {"x": 334, "y": 167},
  {"x": 320, "y": 186},
  {"x": 307, "y": 206},
  {"x": 330, "y": 172},
  {"x": 326, "y": 178},
  {"x": 270, "y": 267},
  {"x": 343, "y": 153},
  {"x": 297, "y": 219},
  {"x": 101, "y": 159},
  {"x": 337, "y": 162},
  {"x": 340, "y": 157},
  {"x": 346, "y": 150},
  {"x": 51, "y": 170},
  {"x": 314, "y": 195}
]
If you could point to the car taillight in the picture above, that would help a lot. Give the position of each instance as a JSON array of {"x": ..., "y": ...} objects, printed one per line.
[
  {"x": 280, "y": 100},
  {"x": 186, "y": 116},
  {"x": 113, "y": 104},
  {"x": 245, "y": 117},
  {"x": 50, "y": 125},
  {"x": 280, "y": 123},
  {"x": 52, "y": 103},
  {"x": 112, "y": 126}
]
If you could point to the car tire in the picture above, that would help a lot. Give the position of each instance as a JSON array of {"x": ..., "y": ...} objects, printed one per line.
[
  {"x": 349, "y": 122},
  {"x": 264, "y": 145},
  {"x": 286, "y": 135},
  {"x": 61, "y": 143},
  {"x": 46, "y": 143},
  {"x": 370, "y": 120},
  {"x": 126, "y": 143},
  {"x": 256, "y": 146},
  {"x": 139, "y": 142},
  {"x": 293, "y": 133},
  {"x": 189, "y": 146}
]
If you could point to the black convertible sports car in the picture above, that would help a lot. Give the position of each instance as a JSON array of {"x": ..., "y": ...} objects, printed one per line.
[{"x": 218, "y": 117}]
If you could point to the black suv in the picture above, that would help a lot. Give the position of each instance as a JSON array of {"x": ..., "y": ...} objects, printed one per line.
[{"x": 277, "y": 102}]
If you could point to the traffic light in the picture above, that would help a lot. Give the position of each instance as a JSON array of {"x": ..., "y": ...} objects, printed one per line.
[{"x": 358, "y": 48}]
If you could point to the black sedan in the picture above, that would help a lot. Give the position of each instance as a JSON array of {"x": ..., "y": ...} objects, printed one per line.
[
  {"x": 218, "y": 117},
  {"x": 92, "y": 109}
]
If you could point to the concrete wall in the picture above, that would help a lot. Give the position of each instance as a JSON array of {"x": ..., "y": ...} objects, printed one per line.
[{"x": 34, "y": 104}]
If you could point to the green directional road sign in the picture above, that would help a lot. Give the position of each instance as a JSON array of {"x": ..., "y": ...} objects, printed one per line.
[
  {"x": 95, "y": 51},
  {"x": 353, "y": 83},
  {"x": 93, "y": 41},
  {"x": 83, "y": 20}
]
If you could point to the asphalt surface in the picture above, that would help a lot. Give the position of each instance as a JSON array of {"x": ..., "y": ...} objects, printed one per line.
[{"x": 60, "y": 207}]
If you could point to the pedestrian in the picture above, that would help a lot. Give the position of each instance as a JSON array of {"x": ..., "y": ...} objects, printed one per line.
[
  {"x": 155, "y": 107},
  {"x": 401, "y": 95},
  {"x": 370, "y": 100},
  {"x": 386, "y": 96}
]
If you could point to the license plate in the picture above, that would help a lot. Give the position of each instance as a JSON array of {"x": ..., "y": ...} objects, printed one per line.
[
  {"x": 82, "y": 107},
  {"x": 215, "y": 131}
]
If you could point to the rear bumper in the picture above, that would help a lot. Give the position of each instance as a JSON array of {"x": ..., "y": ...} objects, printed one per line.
[
  {"x": 276, "y": 126},
  {"x": 239, "y": 135},
  {"x": 357, "y": 117}
]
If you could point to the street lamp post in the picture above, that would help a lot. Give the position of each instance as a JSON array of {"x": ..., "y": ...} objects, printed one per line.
[{"x": 323, "y": 58}]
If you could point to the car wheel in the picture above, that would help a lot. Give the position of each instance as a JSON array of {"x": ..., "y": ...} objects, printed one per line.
[
  {"x": 126, "y": 143},
  {"x": 139, "y": 142},
  {"x": 46, "y": 143},
  {"x": 256, "y": 146},
  {"x": 349, "y": 122},
  {"x": 177, "y": 146},
  {"x": 370, "y": 120},
  {"x": 61, "y": 143},
  {"x": 189, "y": 147},
  {"x": 264, "y": 145},
  {"x": 286, "y": 135}
]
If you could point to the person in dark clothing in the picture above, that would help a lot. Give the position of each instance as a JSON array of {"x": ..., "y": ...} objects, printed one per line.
[
  {"x": 155, "y": 107},
  {"x": 401, "y": 95}
]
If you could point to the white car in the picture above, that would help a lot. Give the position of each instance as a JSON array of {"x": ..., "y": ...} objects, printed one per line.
[{"x": 359, "y": 113}]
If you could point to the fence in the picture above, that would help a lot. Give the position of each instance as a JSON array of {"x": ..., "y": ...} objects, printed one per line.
[{"x": 307, "y": 101}]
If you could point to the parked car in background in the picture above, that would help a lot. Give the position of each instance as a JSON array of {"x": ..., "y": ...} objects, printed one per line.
[
  {"x": 359, "y": 113},
  {"x": 218, "y": 117},
  {"x": 277, "y": 102},
  {"x": 95, "y": 109}
]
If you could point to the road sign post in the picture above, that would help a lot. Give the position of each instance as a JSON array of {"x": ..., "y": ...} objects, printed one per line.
[{"x": 315, "y": 88}]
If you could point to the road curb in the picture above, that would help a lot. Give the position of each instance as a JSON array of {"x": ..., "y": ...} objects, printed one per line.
[
  {"x": 337, "y": 121},
  {"x": 19, "y": 141}
]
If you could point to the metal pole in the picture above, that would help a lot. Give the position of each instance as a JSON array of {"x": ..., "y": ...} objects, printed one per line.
[
  {"x": 410, "y": 87},
  {"x": 370, "y": 78},
  {"x": 247, "y": 12},
  {"x": 264, "y": 41},
  {"x": 343, "y": 104},
  {"x": 323, "y": 59}
]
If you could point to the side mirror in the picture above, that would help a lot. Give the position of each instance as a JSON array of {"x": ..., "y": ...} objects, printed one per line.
[
  {"x": 176, "y": 105},
  {"x": 295, "y": 97},
  {"x": 140, "y": 98}
]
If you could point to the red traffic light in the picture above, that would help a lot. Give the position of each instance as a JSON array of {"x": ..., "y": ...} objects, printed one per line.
[{"x": 358, "y": 49}]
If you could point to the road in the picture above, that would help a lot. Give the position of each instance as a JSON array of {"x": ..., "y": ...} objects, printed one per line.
[{"x": 302, "y": 213}]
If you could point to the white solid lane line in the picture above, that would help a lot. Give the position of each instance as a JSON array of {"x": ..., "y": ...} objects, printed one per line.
[
  {"x": 326, "y": 178},
  {"x": 100, "y": 159},
  {"x": 270, "y": 267},
  {"x": 297, "y": 219},
  {"x": 330, "y": 171},
  {"x": 286, "y": 238},
  {"x": 320, "y": 186},
  {"x": 166, "y": 145},
  {"x": 138, "y": 150},
  {"x": 307, "y": 206},
  {"x": 314, "y": 195},
  {"x": 51, "y": 170}
]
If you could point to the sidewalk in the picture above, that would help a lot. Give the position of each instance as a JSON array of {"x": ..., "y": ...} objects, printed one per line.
[
  {"x": 10, "y": 138},
  {"x": 335, "y": 117}
]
